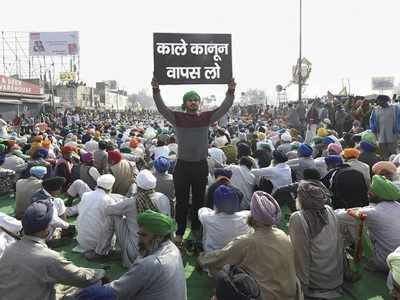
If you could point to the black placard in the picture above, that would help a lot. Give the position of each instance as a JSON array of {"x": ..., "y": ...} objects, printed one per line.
[{"x": 182, "y": 58}]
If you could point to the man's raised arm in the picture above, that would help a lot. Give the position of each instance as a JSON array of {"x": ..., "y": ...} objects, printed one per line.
[
  {"x": 226, "y": 105},
  {"x": 161, "y": 107}
]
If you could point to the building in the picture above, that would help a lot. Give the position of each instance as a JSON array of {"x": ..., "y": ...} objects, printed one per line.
[
  {"x": 20, "y": 97},
  {"x": 72, "y": 96},
  {"x": 111, "y": 98}
]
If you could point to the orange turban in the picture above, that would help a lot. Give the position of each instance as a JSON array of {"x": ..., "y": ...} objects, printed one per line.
[
  {"x": 350, "y": 153},
  {"x": 46, "y": 143}
]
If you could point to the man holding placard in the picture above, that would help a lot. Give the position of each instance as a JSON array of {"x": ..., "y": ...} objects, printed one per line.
[{"x": 191, "y": 170}]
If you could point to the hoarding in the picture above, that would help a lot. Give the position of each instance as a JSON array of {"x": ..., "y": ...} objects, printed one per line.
[
  {"x": 383, "y": 83},
  {"x": 54, "y": 43}
]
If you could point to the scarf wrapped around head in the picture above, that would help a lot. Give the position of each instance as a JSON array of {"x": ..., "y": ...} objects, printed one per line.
[
  {"x": 336, "y": 148},
  {"x": 191, "y": 95},
  {"x": 384, "y": 167},
  {"x": 313, "y": 196},
  {"x": 264, "y": 209},
  {"x": 305, "y": 150},
  {"x": 384, "y": 189},
  {"x": 146, "y": 183},
  {"x": 156, "y": 223},
  {"x": 350, "y": 153}
]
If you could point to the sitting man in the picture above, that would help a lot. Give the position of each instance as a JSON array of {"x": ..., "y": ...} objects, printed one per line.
[
  {"x": 122, "y": 216},
  {"x": 29, "y": 270},
  {"x": 91, "y": 222},
  {"x": 165, "y": 182},
  {"x": 315, "y": 235},
  {"x": 9, "y": 231},
  {"x": 226, "y": 222},
  {"x": 124, "y": 172},
  {"x": 382, "y": 219},
  {"x": 158, "y": 276},
  {"x": 50, "y": 191},
  {"x": 266, "y": 253},
  {"x": 25, "y": 189}
]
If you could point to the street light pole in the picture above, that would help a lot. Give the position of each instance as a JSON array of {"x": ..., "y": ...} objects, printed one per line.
[{"x": 300, "y": 54}]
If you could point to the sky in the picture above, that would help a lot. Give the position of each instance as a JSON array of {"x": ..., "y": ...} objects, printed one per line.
[{"x": 345, "y": 40}]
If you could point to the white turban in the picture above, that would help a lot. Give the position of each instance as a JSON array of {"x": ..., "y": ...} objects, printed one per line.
[
  {"x": 221, "y": 141},
  {"x": 146, "y": 180},
  {"x": 106, "y": 181},
  {"x": 286, "y": 137},
  {"x": 393, "y": 261}
]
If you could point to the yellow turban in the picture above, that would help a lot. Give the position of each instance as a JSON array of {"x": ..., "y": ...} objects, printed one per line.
[{"x": 322, "y": 132}]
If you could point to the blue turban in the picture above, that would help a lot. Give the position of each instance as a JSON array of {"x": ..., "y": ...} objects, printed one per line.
[
  {"x": 367, "y": 147},
  {"x": 38, "y": 171},
  {"x": 42, "y": 152},
  {"x": 327, "y": 140},
  {"x": 162, "y": 164},
  {"x": 226, "y": 200},
  {"x": 305, "y": 150},
  {"x": 333, "y": 160},
  {"x": 243, "y": 149},
  {"x": 223, "y": 172},
  {"x": 37, "y": 216},
  {"x": 2, "y": 158}
]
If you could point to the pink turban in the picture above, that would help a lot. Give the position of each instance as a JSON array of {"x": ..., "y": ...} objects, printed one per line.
[
  {"x": 264, "y": 209},
  {"x": 335, "y": 148},
  {"x": 87, "y": 157}
]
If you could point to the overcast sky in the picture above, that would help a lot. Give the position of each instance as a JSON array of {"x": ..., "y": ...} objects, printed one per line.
[{"x": 351, "y": 39}]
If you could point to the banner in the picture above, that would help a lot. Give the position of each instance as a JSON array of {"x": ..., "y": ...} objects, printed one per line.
[
  {"x": 12, "y": 85},
  {"x": 54, "y": 43},
  {"x": 68, "y": 76},
  {"x": 383, "y": 83},
  {"x": 181, "y": 58}
]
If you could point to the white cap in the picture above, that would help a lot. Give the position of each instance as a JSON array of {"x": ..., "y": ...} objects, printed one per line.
[
  {"x": 106, "y": 181},
  {"x": 146, "y": 180},
  {"x": 286, "y": 137}
]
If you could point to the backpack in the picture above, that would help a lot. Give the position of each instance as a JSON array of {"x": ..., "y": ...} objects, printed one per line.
[{"x": 348, "y": 188}]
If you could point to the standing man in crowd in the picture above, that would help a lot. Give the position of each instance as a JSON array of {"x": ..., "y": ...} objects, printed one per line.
[
  {"x": 385, "y": 123},
  {"x": 191, "y": 170}
]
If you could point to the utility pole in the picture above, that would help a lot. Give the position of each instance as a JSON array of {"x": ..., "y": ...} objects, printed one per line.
[{"x": 300, "y": 54}]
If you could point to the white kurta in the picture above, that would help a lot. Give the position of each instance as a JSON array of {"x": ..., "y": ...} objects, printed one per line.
[{"x": 12, "y": 225}]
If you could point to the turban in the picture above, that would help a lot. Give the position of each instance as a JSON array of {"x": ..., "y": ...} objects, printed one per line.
[
  {"x": 263, "y": 146},
  {"x": 393, "y": 261},
  {"x": 145, "y": 180},
  {"x": 126, "y": 150},
  {"x": 336, "y": 148},
  {"x": 261, "y": 136},
  {"x": 163, "y": 138},
  {"x": 87, "y": 157},
  {"x": 318, "y": 140},
  {"x": 368, "y": 136},
  {"x": 322, "y": 132},
  {"x": 38, "y": 171},
  {"x": 3, "y": 148},
  {"x": 295, "y": 145},
  {"x": 243, "y": 149},
  {"x": 384, "y": 166},
  {"x": 286, "y": 137},
  {"x": 264, "y": 209},
  {"x": 53, "y": 184},
  {"x": 115, "y": 156},
  {"x": 226, "y": 199},
  {"x": 46, "y": 143},
  {"x": 384, "y": 188},
  {"x": 327, "y": 140},
  {"x": 305, "y": 150},
  {"x": 67, "y": 149},
  {"x": 162, "y": 164},
  {"x": 42, "y": 152},
  {"x": 156, "y": 223},
  {"x": 313, "y": 196},
  {"x": 192, "y": 95},
  {"x": 106, "y": 181},
  {"x": 223, "y": 172},
  {"x": 333, "y": 160},
  {"x": 367, "y": 146},
  {"x": 37, "y": 216},
  {"x": 242, "y": 136},
  {"x": 349, "y": 153},
  {"x": 221, "y": 141},
  {"x": 279, "y": 156},
  {"x": 134, "y": 143}
]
